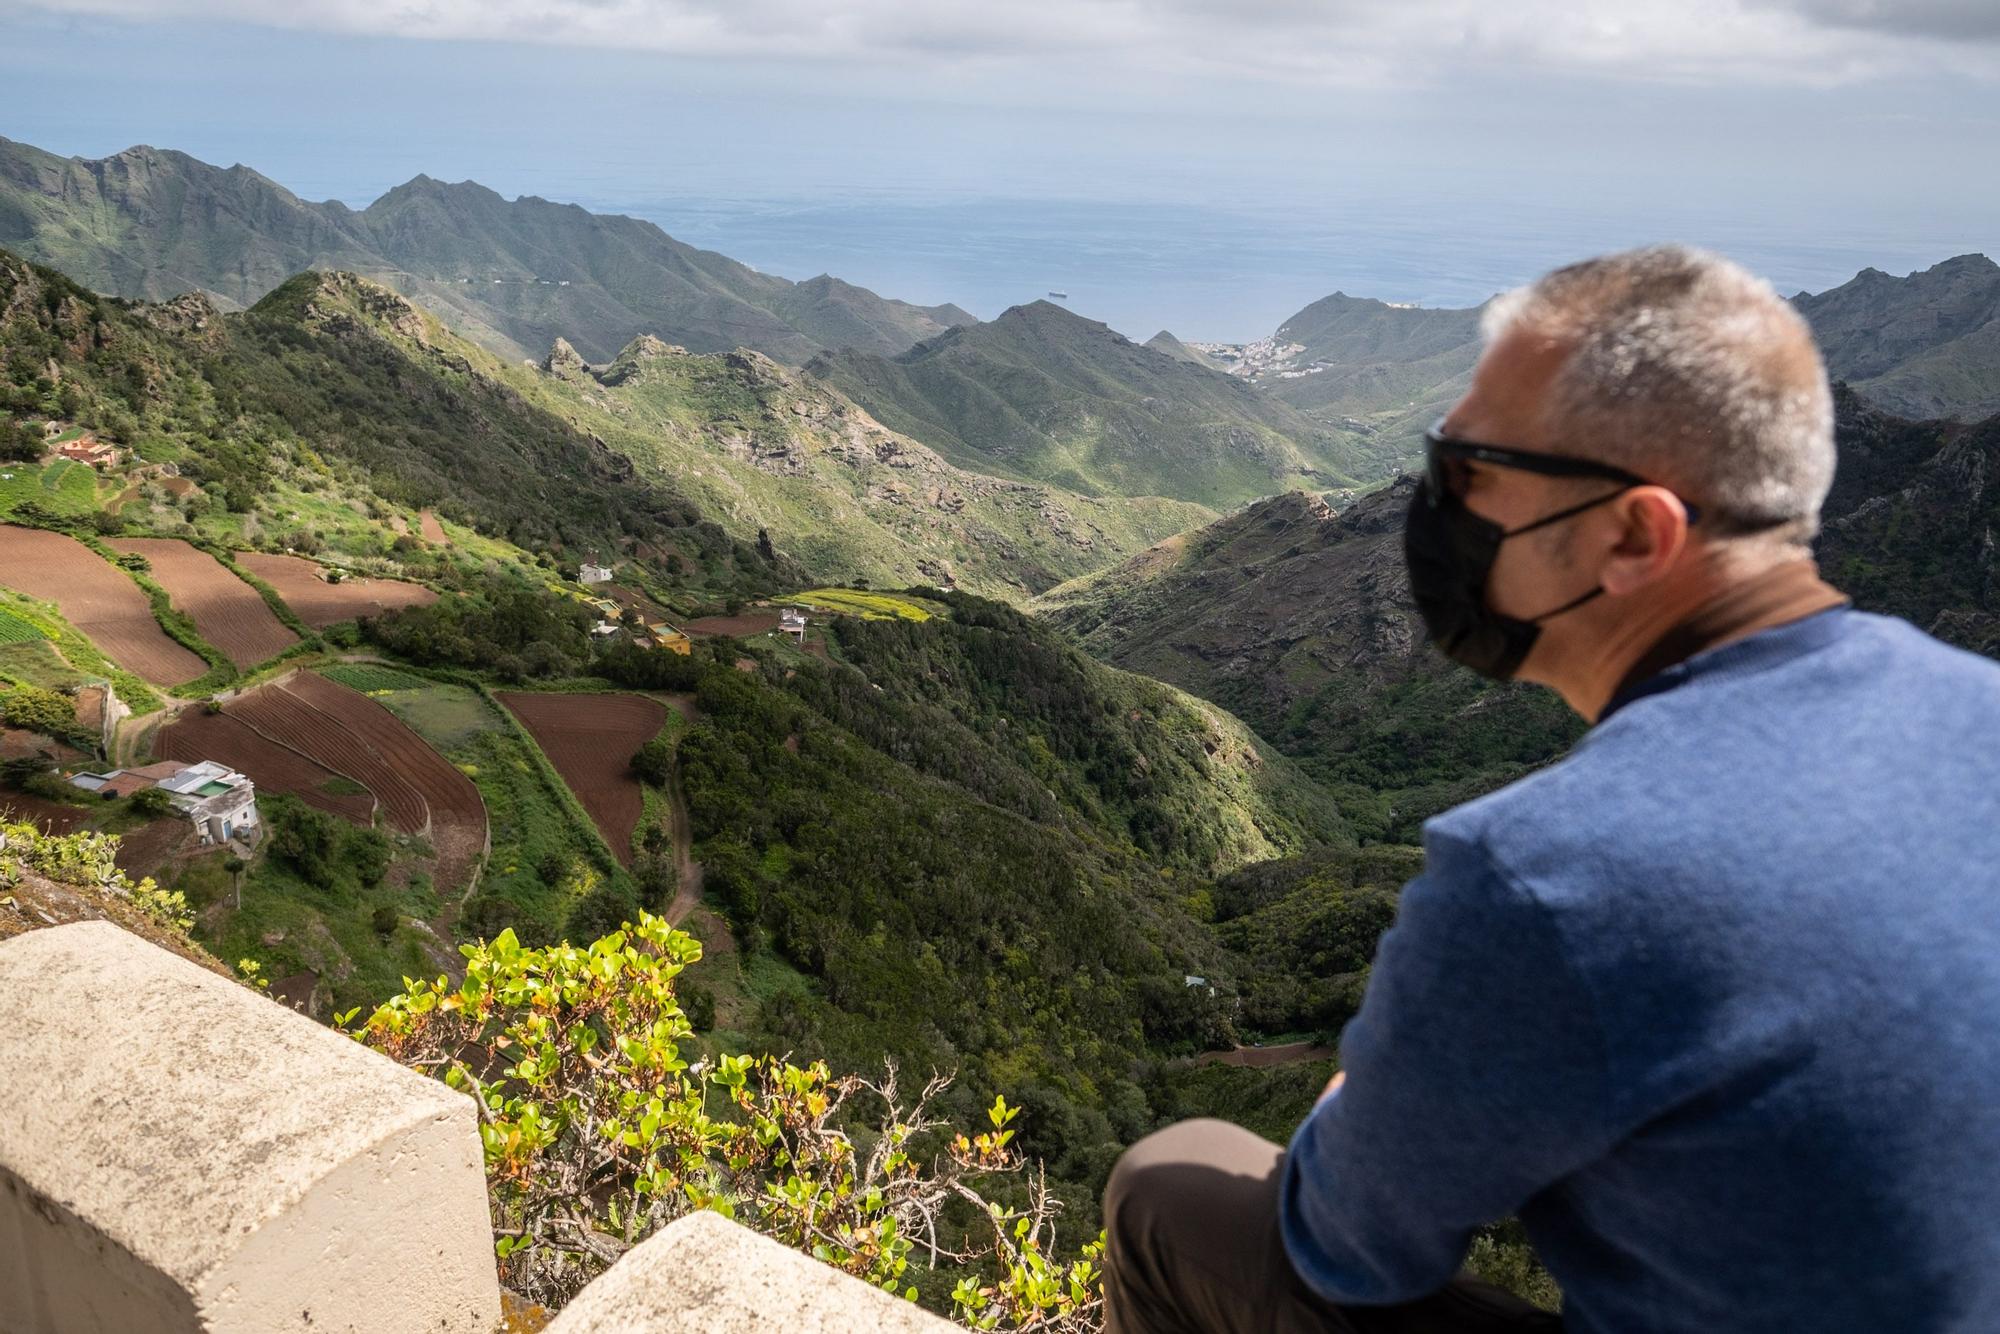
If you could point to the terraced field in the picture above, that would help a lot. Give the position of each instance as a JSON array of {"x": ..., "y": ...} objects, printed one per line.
[
  {"x": 229, "y": 613},
  {"x": 97, "y": 599},
  {"x": 315, "y": 739},
  {"x": 740, "y": 626},
  {"x": 320, "y": 604},
  {"x": 457, "y": 815},
  {"x": 289, "y": 720},
  {"x": 64, "y": 487},
  {"x": 18, "y": 629},
  {"x": 591, "y": 740}
]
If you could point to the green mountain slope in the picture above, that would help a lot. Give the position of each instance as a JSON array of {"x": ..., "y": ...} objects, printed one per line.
[
  {"x": 968, "y": 846},
  {"x": 1045, "y": 395},
  {"x": 676, "y": 459},
  {"x": 1924, "y": 345},
  {"x": 1911, "y": 521},
  {"x": 764, "y": 447},
  {"x": 1164, "y": 341},
  {"x": 1394, "y": 366},
  {"x": 1297, "y": 619},
  {"x": 514, "y": 274},
  {"x": 330, "y": 404}
]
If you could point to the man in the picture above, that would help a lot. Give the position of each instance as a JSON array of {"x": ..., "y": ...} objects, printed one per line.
[{"x": 1713, "y": 1004}]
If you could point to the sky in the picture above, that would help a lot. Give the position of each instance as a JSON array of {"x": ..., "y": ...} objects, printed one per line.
[{"x": 1203, "y": 166}]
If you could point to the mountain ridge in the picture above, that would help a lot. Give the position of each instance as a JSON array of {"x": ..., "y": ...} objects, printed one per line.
[
  {"x": 1923, "y": 345},
  {"x": 1041, "y": 393},
  {"x": 149, "y": 223}
]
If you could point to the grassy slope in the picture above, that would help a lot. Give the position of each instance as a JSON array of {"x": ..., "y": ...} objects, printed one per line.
[
  {"x": 762, "y": 447},
  {"x": 1298, "y": 620},
  {"x": 1045, "y": 395}
]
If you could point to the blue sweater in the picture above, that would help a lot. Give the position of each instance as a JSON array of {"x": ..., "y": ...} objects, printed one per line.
[{"x": 1713, "y": 1004}]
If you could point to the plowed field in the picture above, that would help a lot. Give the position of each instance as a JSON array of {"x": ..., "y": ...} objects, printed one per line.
[
  {"x": 320, "y": 604},
  {"x": 273, "y": 768},
  {"x": 97, "y": 599},
  {"x": 591, "y": 740},
  {"x": 287, "y": 719},
  {"x": 433, "y": 531},
  {"x": 740, "y": 626},
  {"x": 228, "y": 612},
  {"x": 457, "y": 815}
]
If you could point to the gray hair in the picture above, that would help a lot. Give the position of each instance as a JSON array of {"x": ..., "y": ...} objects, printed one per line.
[{"x": 1684, "y": 368}]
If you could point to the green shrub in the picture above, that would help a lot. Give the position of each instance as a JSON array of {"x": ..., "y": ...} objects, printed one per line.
[
  {"x": 654, "y": 762},
  {"x": 596, "y": 1088},
  {"x": 152, "y": 801},
  {"x": 38, "y": 710}
]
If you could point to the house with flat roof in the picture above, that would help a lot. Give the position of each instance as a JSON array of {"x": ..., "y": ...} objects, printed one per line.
[
  {"x": 670, "y": 638},
  {"x": 594, "y": 574},
  {"x": 89, "y": 450},
  {"x": 220, "y": 802}
]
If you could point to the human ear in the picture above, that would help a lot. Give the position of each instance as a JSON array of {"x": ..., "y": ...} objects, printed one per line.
[{"x": 1652, "y": 532}]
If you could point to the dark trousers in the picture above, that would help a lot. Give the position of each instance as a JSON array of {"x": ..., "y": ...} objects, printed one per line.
[{"x": 1191, "y": 1214}]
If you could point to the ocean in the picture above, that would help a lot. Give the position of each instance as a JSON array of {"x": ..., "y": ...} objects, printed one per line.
[{"x": 1222, "y": 273}]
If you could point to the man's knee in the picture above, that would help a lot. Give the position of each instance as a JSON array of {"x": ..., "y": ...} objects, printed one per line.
[{"x": 1156, "y": 1170}]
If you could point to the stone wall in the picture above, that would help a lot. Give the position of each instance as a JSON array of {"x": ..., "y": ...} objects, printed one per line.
[
  {"x": 702, "y": 1274},
  {"x": 179, "y": 1153}
]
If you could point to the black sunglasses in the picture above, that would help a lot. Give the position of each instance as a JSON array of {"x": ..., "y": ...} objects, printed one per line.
[{"x": 1441, "y": 452}]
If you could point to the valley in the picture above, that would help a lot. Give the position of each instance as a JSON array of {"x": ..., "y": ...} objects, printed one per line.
[{"x": 1007, "y": 697}]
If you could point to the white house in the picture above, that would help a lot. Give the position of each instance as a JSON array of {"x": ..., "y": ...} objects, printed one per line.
[
  {"x": 792, "y": 621},
  {"x": 220, "y": 802},
  {"x": 594, "y": 574}
]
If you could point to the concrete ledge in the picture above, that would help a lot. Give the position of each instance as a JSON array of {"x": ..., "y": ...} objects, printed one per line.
[
  {"x": 177, "y": 1153},
  {"x": 703, "y": 1274}
]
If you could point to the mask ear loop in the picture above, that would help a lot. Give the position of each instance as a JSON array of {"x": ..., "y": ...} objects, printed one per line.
[
  {"x": 1558, "y": 517},
  {"x": 1571, "y": 605}
]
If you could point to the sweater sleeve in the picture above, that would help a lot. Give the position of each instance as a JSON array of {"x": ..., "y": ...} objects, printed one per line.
[{"x": 1475, "y": 1078}]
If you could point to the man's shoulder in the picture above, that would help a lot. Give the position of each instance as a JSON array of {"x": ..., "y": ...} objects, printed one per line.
[{"x": 1656, "y": 766}]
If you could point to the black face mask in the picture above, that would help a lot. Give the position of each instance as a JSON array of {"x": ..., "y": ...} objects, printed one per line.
[{"x": 1450, "y": 551}]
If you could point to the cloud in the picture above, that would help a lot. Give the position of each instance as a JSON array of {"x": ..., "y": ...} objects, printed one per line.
[
  {"x": 1313, "y": 41},
  {"x": 1946, "y": 20}
]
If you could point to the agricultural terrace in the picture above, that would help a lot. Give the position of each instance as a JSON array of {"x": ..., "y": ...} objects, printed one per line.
[
  {"x": 98, "y": 599},
  {"x": 18, "y": 629},
  {"x": 64, "y": 487},
  {"x": 433, "y": 531},
  {"x": 229, "y": 613},
  {"x": 740, "y": 626},
  {"x": 319, "y": 603},
  {"x": 868, "y": 606},
  {"x": 323, "y": 742},
  {"x": 591, "y": 740},
  {"x": 457, "y": 817},
  {"x": 542, "y": 849}
]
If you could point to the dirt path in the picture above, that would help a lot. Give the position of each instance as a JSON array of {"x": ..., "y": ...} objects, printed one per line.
[
  {"x": 1260, "y": 1058},
  {"x": 688, "y": 872}
]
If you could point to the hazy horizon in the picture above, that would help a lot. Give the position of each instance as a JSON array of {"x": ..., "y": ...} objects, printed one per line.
[{"x": 1166, "y": 167}]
